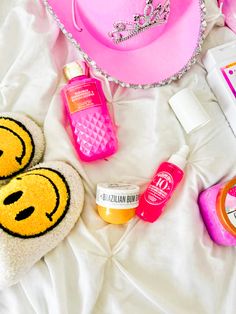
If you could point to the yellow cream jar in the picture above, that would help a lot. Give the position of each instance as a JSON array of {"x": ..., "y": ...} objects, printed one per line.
[{"x": 116, "y": 203}]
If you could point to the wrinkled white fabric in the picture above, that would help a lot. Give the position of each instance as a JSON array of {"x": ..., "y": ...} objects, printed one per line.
[{"x": 171, "y": 266}]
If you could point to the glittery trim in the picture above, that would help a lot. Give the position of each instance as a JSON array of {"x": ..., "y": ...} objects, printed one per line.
[{"x": 174, "y": 77}]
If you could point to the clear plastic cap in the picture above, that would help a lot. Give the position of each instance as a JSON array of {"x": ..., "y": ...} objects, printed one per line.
[
  {"x": 180, "y": 158},
  {"x": 74, "y": 69},
  {"x": 189, "y": 110}
]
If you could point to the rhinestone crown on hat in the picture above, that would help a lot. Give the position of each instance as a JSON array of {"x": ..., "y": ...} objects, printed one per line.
[{"x": 152, "y": 16}]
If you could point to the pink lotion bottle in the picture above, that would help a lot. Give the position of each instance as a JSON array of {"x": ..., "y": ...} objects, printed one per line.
[
  {"x": 86, "y": 107},
  {"x": 159, "y": 191}
]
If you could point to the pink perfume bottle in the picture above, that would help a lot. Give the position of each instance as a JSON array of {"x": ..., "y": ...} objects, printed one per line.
[
  {"x": 162, "y": 186},
  {"x": 91, "y": 123}
]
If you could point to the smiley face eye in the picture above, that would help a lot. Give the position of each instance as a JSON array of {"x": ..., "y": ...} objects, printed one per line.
[
  {"x": 25, "y": 213},
  {"x": 12, "y": 198},
  {"x": 1, "y": 152}
]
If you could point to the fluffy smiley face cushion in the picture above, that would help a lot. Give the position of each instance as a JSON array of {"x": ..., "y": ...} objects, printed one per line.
[
  {"x": 21, "y": 144},
  {"x": 38, "y": 208}
]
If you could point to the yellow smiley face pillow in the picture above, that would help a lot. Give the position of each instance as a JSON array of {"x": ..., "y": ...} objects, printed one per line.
[
  {"x": 21, "y": 144},
  {"x": 38, "y": 207}
]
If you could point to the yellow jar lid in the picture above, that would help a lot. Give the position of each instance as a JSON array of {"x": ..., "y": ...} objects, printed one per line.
[{"x": 118, "y": 195}]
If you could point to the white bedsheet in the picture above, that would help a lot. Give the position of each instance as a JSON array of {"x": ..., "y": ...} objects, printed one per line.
[{"x": 171, "y": 266}]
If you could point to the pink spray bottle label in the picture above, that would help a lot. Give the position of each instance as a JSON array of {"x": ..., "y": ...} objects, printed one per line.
[{"x": 160, "y": 189}]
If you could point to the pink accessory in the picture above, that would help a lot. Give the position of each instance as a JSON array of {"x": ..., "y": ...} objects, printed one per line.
[
  {"x": 152, "y": 16},
  {"x": 155, "y": 57},
  {"x": 162, "y": 186},
  {"x": 85, "y": 104},
  {"x": 229, "y": 10},
  {"x": 218, "y": 209}
]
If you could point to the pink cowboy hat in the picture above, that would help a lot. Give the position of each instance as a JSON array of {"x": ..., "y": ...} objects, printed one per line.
[{"x": 136, "y": 43}]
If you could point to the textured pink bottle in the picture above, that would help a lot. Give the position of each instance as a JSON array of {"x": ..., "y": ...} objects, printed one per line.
[
  {"x": 85, "y": 103},
  {"x": 162, "y": 186}
]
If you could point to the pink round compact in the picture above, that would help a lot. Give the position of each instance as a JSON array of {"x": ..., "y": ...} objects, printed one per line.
[
  {"x": 136, "y": 43},
  {"x": 218, "y": 210}
]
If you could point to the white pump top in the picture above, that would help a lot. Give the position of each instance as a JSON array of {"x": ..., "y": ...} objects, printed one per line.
[{"x": 180, "y": 158}]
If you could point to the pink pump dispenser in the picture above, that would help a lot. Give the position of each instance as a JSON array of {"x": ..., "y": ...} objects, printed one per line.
[
  {"x": 162, "y": 186},
  {"x": 85, "y": 104}
]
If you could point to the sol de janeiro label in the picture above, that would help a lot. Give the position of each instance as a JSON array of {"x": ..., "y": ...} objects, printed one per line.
[{"x": 159, "y": 191}]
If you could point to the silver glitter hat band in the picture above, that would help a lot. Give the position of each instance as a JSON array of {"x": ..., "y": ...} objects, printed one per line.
[{"x": 151, "y": 17}]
